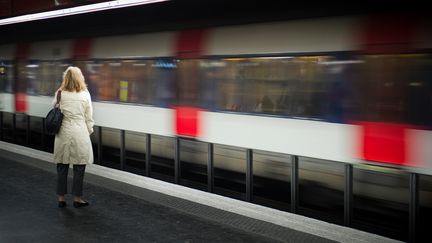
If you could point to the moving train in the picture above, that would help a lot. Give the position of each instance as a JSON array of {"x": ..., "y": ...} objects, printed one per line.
[{"x": 351, "y": 89}]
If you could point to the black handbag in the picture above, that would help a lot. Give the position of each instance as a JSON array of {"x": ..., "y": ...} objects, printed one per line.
[{"x": 54, "y": 117}]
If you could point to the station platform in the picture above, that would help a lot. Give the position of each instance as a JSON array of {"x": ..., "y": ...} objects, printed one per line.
[{"x": 125, "y": 207}]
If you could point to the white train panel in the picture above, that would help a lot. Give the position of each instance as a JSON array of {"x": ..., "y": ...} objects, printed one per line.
[
  {"x": 285, "y": 37},
  {"x": 7, "y": 102},
  {"x": 143, "y": 119},
  {"x": 419, "y": 152},
  {"x": 51, "y": 50},
  {"x": 147, "y": 119},
  {"x": 145, "y": 45},
  {"x": 329, "y": 141},
  {"x": 39, "y": 106}
]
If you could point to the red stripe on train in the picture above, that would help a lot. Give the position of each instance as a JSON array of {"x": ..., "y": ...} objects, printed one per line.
[
  {"x": 190, "y": 43},
  {"x": 187, "y": 121},
  {"x": 383, "y": 142},
  {"x": 22, "y": 53},
  {"x": 389, "y": 34},
  {"x": 81, "y": 49}
]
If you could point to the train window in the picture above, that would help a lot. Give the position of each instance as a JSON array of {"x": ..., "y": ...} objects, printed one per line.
[
  {"x": 272, "y": 177},
  {"x": 163, "y": 81},
  {"x": 419, "y": 98},
  {"x": 131, "y": 81},
  {"x": 2, "y": 69},
  {"x": 104, "y": 76},
  {"x": 289, "y": 86},
  {"x": 229, "y": 171},
  {"x": 381, "y": 198},
  {"x": 394, "y": 88},
  {"x": 7, "y": 79},
  {"x": 188, "y": 82},
  {"x": 43, "y": 77},
  {"x": 21, "y": 77},
  {"x": 321, "y": 189}
]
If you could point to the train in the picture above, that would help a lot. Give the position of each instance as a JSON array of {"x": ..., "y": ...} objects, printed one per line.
[{"x": 317, "y": 88}]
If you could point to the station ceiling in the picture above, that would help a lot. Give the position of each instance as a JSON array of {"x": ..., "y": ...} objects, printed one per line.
[{"x": 181, "y": 14}]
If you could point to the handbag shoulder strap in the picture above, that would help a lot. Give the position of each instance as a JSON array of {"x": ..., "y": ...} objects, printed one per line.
[{"x": 58, "y": 98}]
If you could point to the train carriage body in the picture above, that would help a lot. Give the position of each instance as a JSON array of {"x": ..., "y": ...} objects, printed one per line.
[{"x": 292, "y": 87}]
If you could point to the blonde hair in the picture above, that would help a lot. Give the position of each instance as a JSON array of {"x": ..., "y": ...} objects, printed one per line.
[{"x": 73, "y": 80}]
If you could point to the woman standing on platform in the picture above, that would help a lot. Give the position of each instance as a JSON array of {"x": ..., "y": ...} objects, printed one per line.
[{"x": 72, "y": 143}]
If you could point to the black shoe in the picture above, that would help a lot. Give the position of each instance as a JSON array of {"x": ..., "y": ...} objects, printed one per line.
[
  {"x": 61, "y": 204},
  {"x": 80, "y": 204}
]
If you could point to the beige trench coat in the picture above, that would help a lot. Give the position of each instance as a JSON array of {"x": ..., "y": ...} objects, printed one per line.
[{"x": 72, "y": 143}]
